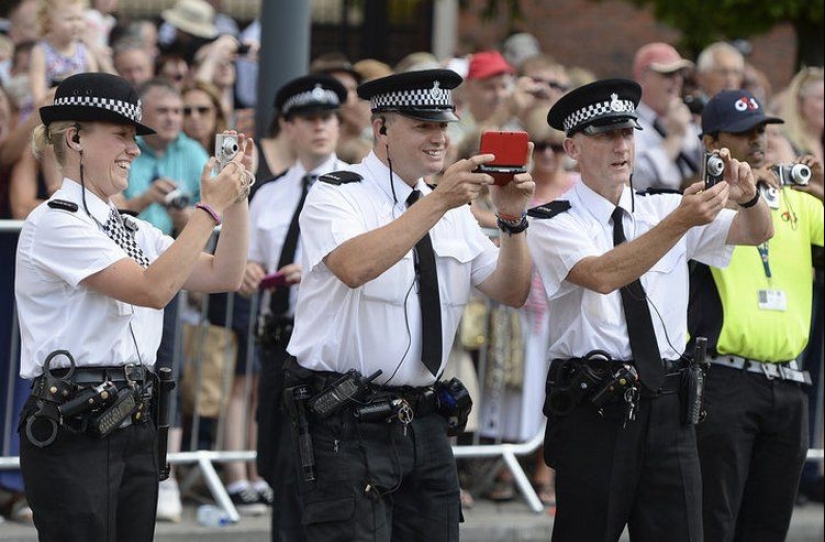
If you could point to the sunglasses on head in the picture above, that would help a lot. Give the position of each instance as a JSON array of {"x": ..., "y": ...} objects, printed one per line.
[
  {"x": 202, "y": 110},
  {"x": 542, "y": 146}
]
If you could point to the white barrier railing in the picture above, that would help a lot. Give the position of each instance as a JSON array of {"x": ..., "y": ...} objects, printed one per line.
[{"x": 205, "y": 460}]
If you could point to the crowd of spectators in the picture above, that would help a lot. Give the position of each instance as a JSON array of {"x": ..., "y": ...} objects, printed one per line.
[{"x": 195, "y": 69}]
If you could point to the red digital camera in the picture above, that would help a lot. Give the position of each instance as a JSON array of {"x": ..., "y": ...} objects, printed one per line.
[{"x": 511, "y": 151}]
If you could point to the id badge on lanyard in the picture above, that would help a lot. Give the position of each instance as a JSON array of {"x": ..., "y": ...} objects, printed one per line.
[{"x": 770, "y": 299}]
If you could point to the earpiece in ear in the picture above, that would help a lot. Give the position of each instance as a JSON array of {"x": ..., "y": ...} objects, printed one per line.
[
  {"x": 76, "y": 137},
  {"x": 383, "y": 129}
]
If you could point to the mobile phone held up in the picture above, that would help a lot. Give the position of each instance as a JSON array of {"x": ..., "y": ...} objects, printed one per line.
[
  {"x": 510, "y": 149},
  {"x": 273, "y": 280}
]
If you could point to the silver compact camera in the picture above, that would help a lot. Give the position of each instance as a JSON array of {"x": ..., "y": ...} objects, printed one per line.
[
  {"x": 226, "y": 147},
  {"x": 792, "y": 174},
  {"x": 713, "y": 169}
]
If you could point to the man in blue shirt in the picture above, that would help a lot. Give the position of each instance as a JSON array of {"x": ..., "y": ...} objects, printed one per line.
[{"x": 164, "y": 181}]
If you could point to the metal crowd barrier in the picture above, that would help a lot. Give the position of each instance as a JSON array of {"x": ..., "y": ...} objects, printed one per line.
[{"x": 206, "y": 460}]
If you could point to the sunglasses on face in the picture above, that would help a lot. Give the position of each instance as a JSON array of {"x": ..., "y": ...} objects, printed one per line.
[
  {"x": 551, "y": 83},
  {"x": 542, "y": 146},
  {"x": 201, "y": 110}
]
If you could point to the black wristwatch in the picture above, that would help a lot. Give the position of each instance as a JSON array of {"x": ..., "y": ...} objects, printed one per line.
[
  {"x": 512, "y": 228},
  {"x": 750, "y": 203}
]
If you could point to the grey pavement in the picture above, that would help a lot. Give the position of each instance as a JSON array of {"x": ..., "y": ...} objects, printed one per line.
[{"x": 485, "y": 522}]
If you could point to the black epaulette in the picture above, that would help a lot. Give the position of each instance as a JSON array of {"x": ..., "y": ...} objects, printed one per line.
[
  {"x": 549, "y": 210},
  {"x": 653, "y": 191},
  {"x": 63, "y": 205},
  {"x": 341, "y": 177}
]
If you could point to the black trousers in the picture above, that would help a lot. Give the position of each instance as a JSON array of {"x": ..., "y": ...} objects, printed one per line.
[
  {"x": 85, "y": 489},
  {"x": 644, "y": 475},
  {"x": 752, "y": 447},
  {"x": 381, "y": 482},
  {"x": 276, "y": 462}
]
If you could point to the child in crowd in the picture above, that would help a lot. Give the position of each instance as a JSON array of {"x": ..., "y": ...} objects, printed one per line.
[{"x": 60, "y": 53}]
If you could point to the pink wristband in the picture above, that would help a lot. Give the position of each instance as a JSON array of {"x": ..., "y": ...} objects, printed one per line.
[{"x": 210, "y": 211}]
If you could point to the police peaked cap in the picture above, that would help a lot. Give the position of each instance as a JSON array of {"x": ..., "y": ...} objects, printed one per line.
[
  {"x": 310, "y": 94},
  {"x": 96, "y": 97},
  {"x": 424, "y": 94},
  {"x": 601, "y": 106}
]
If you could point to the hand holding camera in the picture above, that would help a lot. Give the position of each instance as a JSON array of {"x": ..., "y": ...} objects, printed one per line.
[{"x": 232, "y": 180}]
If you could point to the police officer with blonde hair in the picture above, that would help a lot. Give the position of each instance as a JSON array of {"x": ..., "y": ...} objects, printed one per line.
[{"x": 90, "y": 286}]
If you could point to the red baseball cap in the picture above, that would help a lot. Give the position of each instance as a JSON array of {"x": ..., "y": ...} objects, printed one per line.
[
  {"x": 659, "y": 57},
  {"x": 487, "y": 64}
]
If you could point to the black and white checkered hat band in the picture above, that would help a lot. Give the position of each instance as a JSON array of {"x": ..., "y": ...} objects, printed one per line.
[
  {"x": 419, "y": 98},
  {"x": 608, "y": 108},
  {"x": 316, "y": 96},
  {"x": 127, "y": 109}
]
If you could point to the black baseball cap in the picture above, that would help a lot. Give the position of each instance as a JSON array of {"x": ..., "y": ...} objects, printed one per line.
[{"x": 734, "y": 112}]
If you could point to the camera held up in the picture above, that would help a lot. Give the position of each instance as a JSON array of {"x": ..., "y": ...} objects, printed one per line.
[
  {"x": 792, "y": 174},
  {"x": 713, "y": 169},
  {"x": 226, "y": 147}
]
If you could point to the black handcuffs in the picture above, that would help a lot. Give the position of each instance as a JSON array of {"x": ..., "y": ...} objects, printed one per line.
[{"x": 51, "y": 392}]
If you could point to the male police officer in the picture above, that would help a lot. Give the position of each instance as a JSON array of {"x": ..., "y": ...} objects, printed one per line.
[
  {"x": 614, "y": 267},
  {"x": 387, "y": 269}
]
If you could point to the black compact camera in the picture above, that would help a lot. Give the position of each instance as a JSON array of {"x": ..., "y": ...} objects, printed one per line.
[
  {"x": 177, "y": 199},
  {"x": 792, "y": 174},
  {"x": 695, "y": 103},
  {"x": 713, "y": 169},
  {"x": 453, "y": 401}
]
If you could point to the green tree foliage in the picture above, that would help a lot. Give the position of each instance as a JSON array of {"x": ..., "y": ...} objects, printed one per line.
[{"x": 704, "y": 21}]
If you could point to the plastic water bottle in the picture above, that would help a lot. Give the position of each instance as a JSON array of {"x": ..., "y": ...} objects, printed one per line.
[{"x": 210, "y": 515}]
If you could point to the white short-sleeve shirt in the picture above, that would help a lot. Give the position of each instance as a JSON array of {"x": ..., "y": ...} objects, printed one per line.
[
  {"x": 270, "y": 214},
  {"x": 378, "y": 325},
  {"x": 57, "y": 249},
  {"x": 582, "y": 320}
]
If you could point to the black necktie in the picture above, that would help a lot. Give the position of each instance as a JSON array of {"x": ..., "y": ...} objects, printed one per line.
[
  {"x": 640, "y": 330},
  {"x": 115, "y": 229},
  {"x": 279, "y": 302},
  {"x": 424, "y": 258}
]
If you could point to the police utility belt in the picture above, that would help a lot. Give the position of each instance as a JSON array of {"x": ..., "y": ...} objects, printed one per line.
[
  {"x": 788, "y": 370},
  {"x": 92, "y": 400},
  {"x": 317, "y": 395},
  {"x": 598, "y": 379}
]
